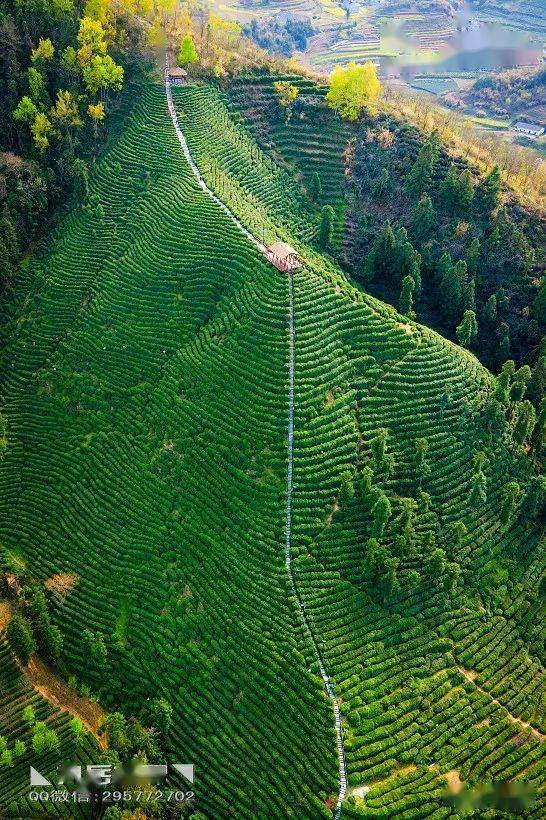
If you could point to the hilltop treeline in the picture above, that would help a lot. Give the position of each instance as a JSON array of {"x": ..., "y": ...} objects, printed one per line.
[
  {"x": 62, "y": 68},
  {"x": 467, "y": 246}
]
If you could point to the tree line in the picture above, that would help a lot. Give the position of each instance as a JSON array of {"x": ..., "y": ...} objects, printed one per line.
[
  {"x": 446, "y": 245},
  {"x": 61, "y": 72}
]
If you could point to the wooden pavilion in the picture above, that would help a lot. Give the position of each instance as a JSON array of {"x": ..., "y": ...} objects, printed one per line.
[
  {"x": 177, "y": 75},
  {"x": 283, "y": 256}
]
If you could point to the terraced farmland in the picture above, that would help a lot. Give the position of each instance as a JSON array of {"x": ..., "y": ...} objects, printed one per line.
[
  {"x": 305, "y": 144},
  {"x": 16, "y": 695},
  {"x": 245, "y": 179},
  {"x": 147, "y": 396},
  {"x": 266, "y": 190},
  {"x": 146, "y": 392},
  {"x": 430, "y": 684}
]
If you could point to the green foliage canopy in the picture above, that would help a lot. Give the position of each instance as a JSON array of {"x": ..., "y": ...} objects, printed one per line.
[{"x": 354, "y": 88}]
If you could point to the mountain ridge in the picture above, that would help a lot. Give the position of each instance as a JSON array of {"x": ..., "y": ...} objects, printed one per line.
[{"x": 157, "y": 471}]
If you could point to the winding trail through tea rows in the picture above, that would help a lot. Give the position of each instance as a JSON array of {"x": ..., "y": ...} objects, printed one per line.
[{"x": 289, "y": 484}]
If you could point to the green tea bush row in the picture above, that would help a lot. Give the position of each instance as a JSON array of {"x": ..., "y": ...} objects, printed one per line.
[{"x": 148, "y": 430}]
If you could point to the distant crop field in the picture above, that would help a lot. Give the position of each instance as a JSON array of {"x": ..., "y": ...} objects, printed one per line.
[{"x": 434, "y": 85}]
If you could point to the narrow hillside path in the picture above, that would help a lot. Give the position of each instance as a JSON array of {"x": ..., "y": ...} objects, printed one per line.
[
  {"x": 289, "y": 483},
  {"x": 60, "y": 695},
  {"x": 288, "y": 555},
  {"x": 56, "y": 691},
  {"x": 471, "y": 676},
  {"x": 197, "y": 173}
]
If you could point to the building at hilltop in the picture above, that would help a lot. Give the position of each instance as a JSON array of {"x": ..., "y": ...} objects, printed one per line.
[
  {"x": 283, "y": 256},
  {"x": 177, "y": 75}
]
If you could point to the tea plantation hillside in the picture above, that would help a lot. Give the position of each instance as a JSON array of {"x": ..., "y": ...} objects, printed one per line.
[
  {"x": 434, "y": 678},
  {"x": 312, "y": 140},
  {"x": 146, "y": 397},
  {"x": 365, "y": 171},
  {"x": 146, "y": 391},
  {"x": 268, "y": 195},
  {"x": 24, "y": 714},
  {"x": 473, "y": 649}
]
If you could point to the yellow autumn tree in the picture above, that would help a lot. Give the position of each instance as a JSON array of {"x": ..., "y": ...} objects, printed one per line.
[
  {"x": 65, "y": 110},
  {"x": 41, "y": 130},
  {"x": 65, "y": 113},
  {"x": 91, "y": 40},
  {"x": 166, "y": 9},
  {"x": 145, "y": 8},
  {"x": 97, "y": 114},
  {"x": 122, "y": 8},
  {"x": 174, "y": 21},
  {"x": 43, "y": 51},
  {"x": 286, "y": 92},
  {"x": 354, "y": 88},
  {"x": 97, "y": 10},
  {"x": 99, "y": 71},
  {"x": 224, "y": 33},
  {"x": 102, "y": 74}
]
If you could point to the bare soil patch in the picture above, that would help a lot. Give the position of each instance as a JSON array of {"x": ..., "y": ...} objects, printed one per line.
[
  {"x": 360, "y": 791},
  {"x": 335, "y": 508},
  {"x": 5, "y": 614},
  {"x": 61, "y": 585},
  {"x": 454, "y": 782},
  {"x": 59, "y": 694}
]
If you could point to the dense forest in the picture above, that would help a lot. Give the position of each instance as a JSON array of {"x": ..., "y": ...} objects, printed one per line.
[
  {"x": 466, "y": 243},
  {"x": 280, "y": 37},
  {"x": 62, "y": 69}
]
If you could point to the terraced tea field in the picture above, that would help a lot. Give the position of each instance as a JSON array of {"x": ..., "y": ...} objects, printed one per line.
[
  {"x": 304, "y": 144},
  {"x": 146, "y": 392},
  {"x": 244, "y": 178},
  {"x": 270, "y": 195},
  {"x": 149, "y": 401},
  {"x": 430, "y": 684},
  {"x": 17, "y": 694}
]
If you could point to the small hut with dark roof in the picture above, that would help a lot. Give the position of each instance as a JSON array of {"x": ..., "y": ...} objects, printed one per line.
[{"x": 177, "y": 75}]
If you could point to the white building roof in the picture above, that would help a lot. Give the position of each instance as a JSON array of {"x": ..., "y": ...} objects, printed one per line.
[{"x": 531, "y": 127}]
